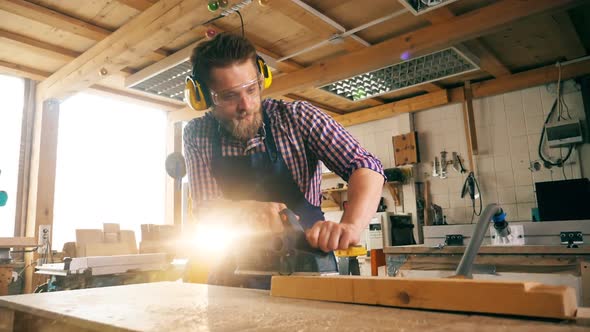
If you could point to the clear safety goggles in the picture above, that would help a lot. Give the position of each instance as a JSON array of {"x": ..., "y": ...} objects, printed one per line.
[{"x": 232, "y": 96}]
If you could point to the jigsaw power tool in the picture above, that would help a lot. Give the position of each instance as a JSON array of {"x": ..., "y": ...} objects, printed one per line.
[{"x": 285, "y": 253}]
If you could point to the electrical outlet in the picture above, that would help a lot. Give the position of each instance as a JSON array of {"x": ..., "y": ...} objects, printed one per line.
[{"x": 44, "y": 234}]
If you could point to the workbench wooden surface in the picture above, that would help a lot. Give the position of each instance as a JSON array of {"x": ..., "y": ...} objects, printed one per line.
[
  {"x": 175, "y": 306},
  {"x": 515, "y": 250}
]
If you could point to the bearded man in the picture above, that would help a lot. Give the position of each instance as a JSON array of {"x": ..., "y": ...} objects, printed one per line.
[{"x": 250, "y": 158}]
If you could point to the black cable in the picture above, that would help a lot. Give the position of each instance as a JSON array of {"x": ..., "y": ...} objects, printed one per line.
[
  {"x": 241, "y": 22},
  {"x": 561, "y": 161}
]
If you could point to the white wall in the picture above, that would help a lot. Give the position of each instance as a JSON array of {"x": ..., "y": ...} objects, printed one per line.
[{"x": 508, "y": 130}]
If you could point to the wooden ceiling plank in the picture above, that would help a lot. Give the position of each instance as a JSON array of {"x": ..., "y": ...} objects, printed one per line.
[
  {"x": 461, "y": 28},
  {"x": 384, "y": 111},
  {"x": 40, "y": 47},
  {"x": 286, "y": 66},
  {"x": 430, "y": 87},
  {"x": 22, "y": 71},
  {"x": 529, "y": 78},
  {"x": 574, "y": 48},
  {"x": 64, "y": 22},
  {"x": 139, "y": 5},
  {"x": 53, "y": 18},
  {"x": 124, "y": 46},
  {"x": 487, "y": 60}
]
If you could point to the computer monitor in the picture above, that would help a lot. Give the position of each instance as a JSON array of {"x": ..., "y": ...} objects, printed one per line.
[{"x": 563, "y": 200}]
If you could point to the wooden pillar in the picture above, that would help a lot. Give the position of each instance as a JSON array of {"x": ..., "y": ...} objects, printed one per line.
[
  {"x": 42, "y": 176},
  {"x": 469, "y": 122},
  {"x": 178, "y": 182},
  {"x": 24, "y": 166}
]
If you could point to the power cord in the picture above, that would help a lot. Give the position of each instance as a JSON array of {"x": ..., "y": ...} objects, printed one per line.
[{"x": 469, "y": 187}]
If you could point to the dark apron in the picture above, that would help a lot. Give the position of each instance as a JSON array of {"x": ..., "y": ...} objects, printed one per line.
[{"x": 263, "y": 177}]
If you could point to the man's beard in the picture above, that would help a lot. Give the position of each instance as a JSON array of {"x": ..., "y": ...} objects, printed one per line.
[{"x": 241, "y": 129}]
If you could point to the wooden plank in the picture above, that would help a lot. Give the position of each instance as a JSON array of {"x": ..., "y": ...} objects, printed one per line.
[
  {"x": 391, "y": 109},
  {"x": 22, "y": 71},
  {"x": 139, "y": 5},
  {"x": 42, "y": 177},
  {"x": 17, "y": 242},
  {"x": 569, "y": 36},
  {"x": 487, "y": 60},
  {"x": 529, "y": 78},
  {"x": 174, "y": 306},
  {"x": 464, "y": 27},
  {"x": 5, "y": 279},
  {"x": 510, "y": 250},
  {"x": 39, "y": 46},
  {"x": 53, "y": 18},
  {"x": 498, "y": 263},
  {"x": 124, "y": 46},
  {"x": 494, "y": 297},
  {"x": 469, "y": 124},
  {"x": 6, "y": 320},
  {"x": 585, "y": 276},
  {"x": 24, "y": 166},
  {"x": 430, "y": 87}
]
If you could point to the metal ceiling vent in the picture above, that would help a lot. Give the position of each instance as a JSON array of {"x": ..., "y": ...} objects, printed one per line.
[
  {"x": 418, "y": 7},
  {"x": 427, "y": 68},
  {"x": 168, "y": 83}
]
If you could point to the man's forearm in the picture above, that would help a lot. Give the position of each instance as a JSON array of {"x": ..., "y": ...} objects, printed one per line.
[{"x": 364, "y": 191}]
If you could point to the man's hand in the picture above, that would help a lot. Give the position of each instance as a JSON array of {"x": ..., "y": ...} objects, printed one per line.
[
  {"x": 329, "y": 236},
  {"x": 263, "y": 216}
]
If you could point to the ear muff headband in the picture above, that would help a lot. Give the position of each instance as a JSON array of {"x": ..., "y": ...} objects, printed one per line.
[
  {"x": 265, "y": 71},
  {"x": 196, "y": 94}
]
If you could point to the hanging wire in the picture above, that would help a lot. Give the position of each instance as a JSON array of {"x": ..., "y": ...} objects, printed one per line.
[{"x": 241, "y": 22}]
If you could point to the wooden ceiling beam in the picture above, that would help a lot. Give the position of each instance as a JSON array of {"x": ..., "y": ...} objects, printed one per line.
[
  {"x": 53, "y": 18},
  {"x": 488, "y": 62},
  {"x": 135, "y": 40},
  {"x": 139, "y": 5},
  {"x": 461, "y": 28},
  {"x": 39, "y": 47},
  {"x": 529, "y": 78},
  {"x": 574, "y": 48},
  {"x": 22, "y": 71},
  {"x": 63, "y": 22},
  {"x": 384, "y": 111},
  {"x": 321, "y": 27},
  {"x": 430, "y": 87}
]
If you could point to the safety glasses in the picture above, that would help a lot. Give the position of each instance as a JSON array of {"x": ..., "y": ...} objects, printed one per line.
[{"x": 232, "y": 96}]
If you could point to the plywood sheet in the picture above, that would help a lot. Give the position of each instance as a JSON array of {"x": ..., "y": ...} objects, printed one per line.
[
  {"x": 173, "y": 306},
  {"x": 510, "y": 298}
]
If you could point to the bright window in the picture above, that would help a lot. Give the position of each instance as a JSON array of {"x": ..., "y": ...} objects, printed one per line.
[
  {"x": 110, "y": 166},
  {"x": 11, "y": 114}
]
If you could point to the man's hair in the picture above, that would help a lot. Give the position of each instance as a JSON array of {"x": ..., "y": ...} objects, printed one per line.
[{"x": 223, "y": 50}]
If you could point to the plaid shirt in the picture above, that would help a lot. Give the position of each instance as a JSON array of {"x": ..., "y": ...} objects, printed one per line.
[{"x": 304, "y": 135}]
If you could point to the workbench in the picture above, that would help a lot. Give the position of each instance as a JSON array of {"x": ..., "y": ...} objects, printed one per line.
[
  {"x": 546, "y": 264},
  {"x": 176, "y": 306}
]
